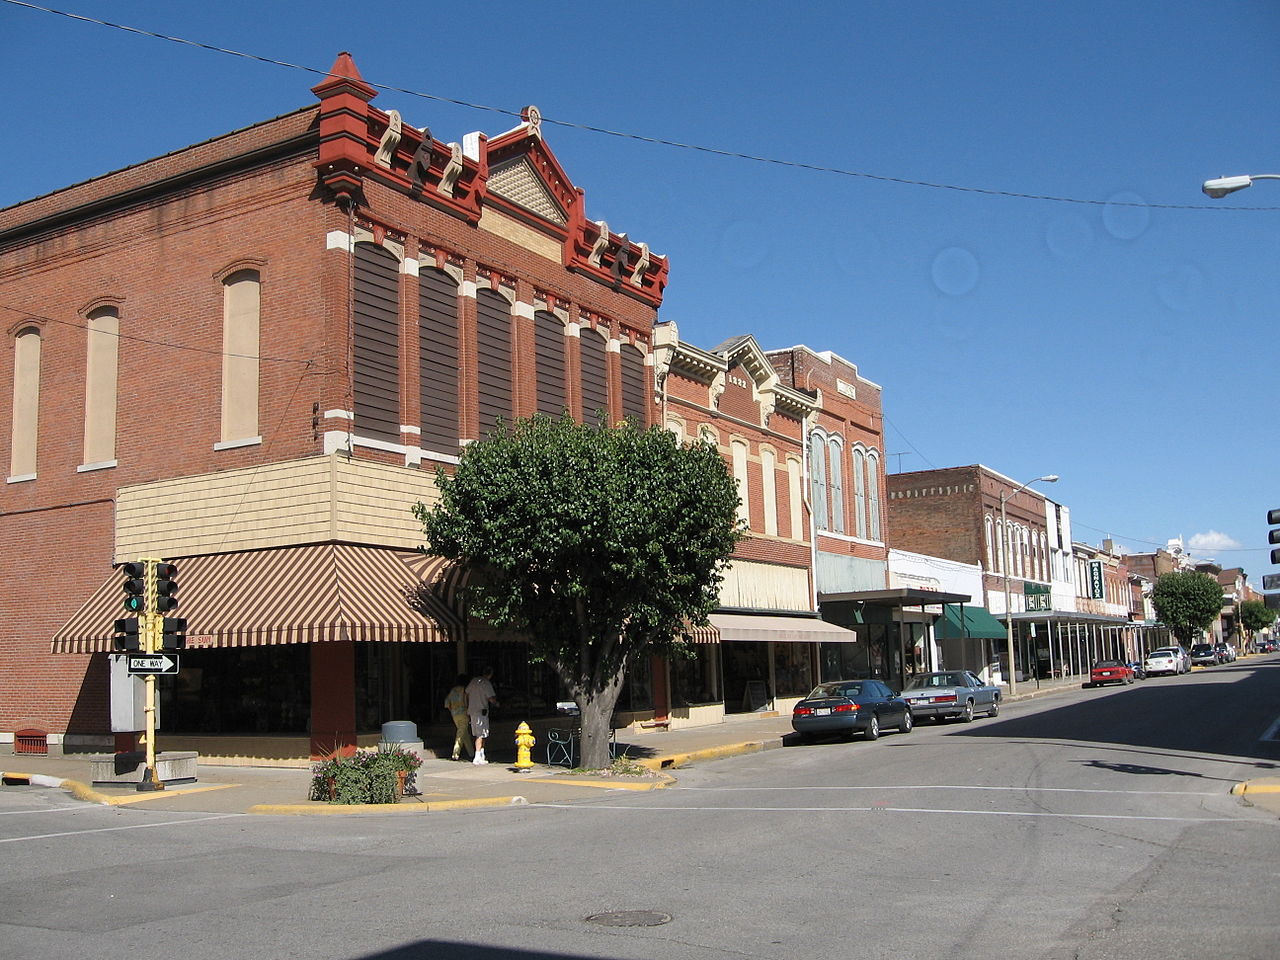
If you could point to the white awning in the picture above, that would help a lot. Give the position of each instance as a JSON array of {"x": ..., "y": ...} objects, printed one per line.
[{"x": 742, "y": 626}]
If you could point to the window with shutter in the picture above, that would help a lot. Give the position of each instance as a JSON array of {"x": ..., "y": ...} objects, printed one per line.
[
  {"x": 377, "y": 343},
  {"x": 438, "y": 360}
]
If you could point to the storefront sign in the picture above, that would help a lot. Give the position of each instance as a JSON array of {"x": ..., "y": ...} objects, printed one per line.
[
  {"x": 1096, "y": 591},
  {"x": 1038, "y": 596}
]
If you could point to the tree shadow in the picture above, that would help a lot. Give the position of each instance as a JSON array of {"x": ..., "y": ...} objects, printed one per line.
[{"x": 1141, "y": 769}]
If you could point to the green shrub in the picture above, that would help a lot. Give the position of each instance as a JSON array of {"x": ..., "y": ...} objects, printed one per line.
[{"x": 364, "y": 777}]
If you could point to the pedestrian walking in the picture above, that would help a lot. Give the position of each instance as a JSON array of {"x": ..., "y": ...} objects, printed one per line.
[
  {"x": 480, "y": 697},
  {"x": 456, "y": 704}
]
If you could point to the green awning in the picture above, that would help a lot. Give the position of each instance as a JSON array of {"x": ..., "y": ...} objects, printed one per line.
[{"x": 977, "y": 622}]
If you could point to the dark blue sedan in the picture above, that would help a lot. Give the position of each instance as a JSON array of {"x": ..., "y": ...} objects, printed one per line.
[{"x": 847, "y": 707}]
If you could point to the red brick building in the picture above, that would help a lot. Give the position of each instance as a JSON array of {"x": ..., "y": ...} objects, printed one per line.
[{"x": 249, "y": 356}]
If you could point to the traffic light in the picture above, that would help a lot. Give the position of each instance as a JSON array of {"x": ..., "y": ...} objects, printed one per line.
[
  {"x": 174, "y": 635},
  {"x": 126, "y": 635},
  {"x": 1273, "y": 518},
  {"x": 135, "y": 586},
  {"x": 166, "y": 587}
]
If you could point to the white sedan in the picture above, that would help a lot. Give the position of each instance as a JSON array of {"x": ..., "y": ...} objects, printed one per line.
[{"x": 1165, "y": 660}]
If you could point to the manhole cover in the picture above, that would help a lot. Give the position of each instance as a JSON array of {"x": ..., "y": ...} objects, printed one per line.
[{"x": 630, "y": 918}]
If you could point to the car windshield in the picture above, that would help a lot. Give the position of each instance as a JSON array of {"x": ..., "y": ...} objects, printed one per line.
[
  {"x": 1160, "y": 653},
  {"x": 840, "y": 688},
  {"x": 1202, "y": 648},
  {"x": 1106, "y": 664}
]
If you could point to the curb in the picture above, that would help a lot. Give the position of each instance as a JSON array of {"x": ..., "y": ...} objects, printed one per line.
[
  {"x": 1270, "y": 785},
  {"x": 674, "y": 760}
]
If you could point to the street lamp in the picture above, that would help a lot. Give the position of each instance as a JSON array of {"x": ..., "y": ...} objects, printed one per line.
[
  {"x": 1220, "y": 187},
  {"x": 1008, "y": 604}
]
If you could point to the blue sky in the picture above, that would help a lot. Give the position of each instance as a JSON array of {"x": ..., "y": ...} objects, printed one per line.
[{"x": 1126, "y": 343}]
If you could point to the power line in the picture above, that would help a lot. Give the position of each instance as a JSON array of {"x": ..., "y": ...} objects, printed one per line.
[
  {"x": 31, "y": 315},
  {"x": 659, "y": 141}
]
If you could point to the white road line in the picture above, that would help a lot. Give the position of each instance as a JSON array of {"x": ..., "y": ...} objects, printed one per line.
[
  {"x": 880, "y": 810},
  {"x": 943, "y": 786},
  {"x": 135, "y": 826},
  {"x": 10, "y": 813}
]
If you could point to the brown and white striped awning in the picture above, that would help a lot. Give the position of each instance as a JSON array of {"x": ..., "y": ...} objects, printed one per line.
[{"x": 307, "y": 594}]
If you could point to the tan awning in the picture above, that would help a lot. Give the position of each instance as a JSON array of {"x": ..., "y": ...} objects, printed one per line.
[
  {"x": 306, "y": 594},
  {"x": 742, "y": 626}
]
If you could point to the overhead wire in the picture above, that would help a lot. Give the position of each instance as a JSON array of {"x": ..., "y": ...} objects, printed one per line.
[{"x": 641, "y": 138}]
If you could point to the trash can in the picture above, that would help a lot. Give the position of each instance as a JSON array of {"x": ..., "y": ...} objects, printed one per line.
[{"x": 399, "y": 731}]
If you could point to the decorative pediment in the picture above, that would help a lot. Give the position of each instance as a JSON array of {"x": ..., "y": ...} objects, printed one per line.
[{"x": 517, "y": 180}]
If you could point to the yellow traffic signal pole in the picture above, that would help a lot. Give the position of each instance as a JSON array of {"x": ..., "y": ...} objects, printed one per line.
[{"x": 151, "y": 628}]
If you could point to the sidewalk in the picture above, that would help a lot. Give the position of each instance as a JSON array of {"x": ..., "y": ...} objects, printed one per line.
[{"x": 447, "y": 785}]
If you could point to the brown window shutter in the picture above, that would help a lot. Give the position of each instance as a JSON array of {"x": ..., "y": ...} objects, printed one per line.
[
  {"x": 633, "y": 392},
  {"x": 438, "y": 360},
  {"x": 493, "y": 359},
  {"x": 595, "y": 377},
  {"x": 377, "y": 343},
  {"x": 549, "y": 353}
]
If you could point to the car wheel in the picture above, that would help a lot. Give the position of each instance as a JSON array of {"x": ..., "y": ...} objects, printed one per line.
[
  {"x": 873, "y": 728},
  {"x": 995, "y": 708},
  {"x": 967, "y": 716},
  {"x": 907, "y": 723}
]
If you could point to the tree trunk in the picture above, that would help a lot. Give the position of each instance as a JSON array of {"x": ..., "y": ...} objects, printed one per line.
[{"x": 596, "y": 714}]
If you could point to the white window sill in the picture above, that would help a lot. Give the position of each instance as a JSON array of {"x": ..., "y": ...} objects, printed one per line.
[
  {"x": 21, "y": 478},
  {"x": 236, "y": 444},
  {"x": 100, "y": 465}
]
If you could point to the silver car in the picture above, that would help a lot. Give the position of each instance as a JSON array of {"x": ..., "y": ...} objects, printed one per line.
[
  {"x": 951, "y": 693},
  {"x": 1167, "y": 660}
]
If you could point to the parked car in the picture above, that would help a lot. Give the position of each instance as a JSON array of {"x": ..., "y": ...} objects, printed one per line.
[
  {"x": 1204, "y": 655},
  {"x": 951, "y": 693},
  {"x": 848, "y": 707},
  {"x": 1167, "y": 660},
  {"x": 1226, "y": 653},
  {"x": 1109, "y": 671}
]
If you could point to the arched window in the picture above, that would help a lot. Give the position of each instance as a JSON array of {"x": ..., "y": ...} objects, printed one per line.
[
  {"x": 593, "y": 349},
  {"x": 835, "y": 455},
  {"x": 860, "y": 492},
  {"x": 549, "y": 354},
  {"x": 26, "y": 404},
  {"x": 769, "y": 490},
  {"x": 738, "y": 453},
  {"x": 818, "y": 480},
  {"x": 873, "y": 493},
  {"x": 987, "y": 530},
  {"x": 1000, "y": 547},
  {"x": 241, "y": 331},
  {"x": 438, "y": 360},
  {"x": 377, "y": 343},
  {"x": 493, "y": 359},
  {"x": 101, "y": 381},
  {"x": 634, "y": 407}
]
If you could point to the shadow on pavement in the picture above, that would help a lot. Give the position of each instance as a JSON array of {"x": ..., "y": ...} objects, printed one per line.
[
  {"x": 454, "y": 950},
  {"x": 1223, "y": 713}
]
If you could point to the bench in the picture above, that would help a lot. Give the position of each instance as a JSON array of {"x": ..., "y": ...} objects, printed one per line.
[{"x": 563, "y": 745}]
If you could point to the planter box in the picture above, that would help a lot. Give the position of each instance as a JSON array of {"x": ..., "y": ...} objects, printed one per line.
[{"x": 114, "y": 768}]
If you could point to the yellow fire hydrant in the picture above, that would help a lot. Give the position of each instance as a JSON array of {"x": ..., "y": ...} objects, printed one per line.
[{"x": 524, "y": 743}]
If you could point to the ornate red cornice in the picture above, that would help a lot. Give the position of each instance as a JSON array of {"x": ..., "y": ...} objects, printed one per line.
[{"x": 360, "y": 142}]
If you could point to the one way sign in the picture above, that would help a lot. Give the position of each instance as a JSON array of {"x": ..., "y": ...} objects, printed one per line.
[{"x": 152, "y": 663}]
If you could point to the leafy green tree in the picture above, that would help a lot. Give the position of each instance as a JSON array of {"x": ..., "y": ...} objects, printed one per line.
[
  {"x": 600, "y": 544},
  {"x": 1254, "y": 616},
  {"x": 1187, "y": 603}
]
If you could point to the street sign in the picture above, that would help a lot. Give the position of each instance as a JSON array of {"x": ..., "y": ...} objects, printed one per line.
[{"x": 152, "y": 663}]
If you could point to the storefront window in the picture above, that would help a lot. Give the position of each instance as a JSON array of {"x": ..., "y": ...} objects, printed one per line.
[
  {"x": 637, "y": 689},
  {"x": 525, "y": 690},
  {"x": 240, "y": 690},
  {"x": 792, "y": 669},
  {"x": 696, "y": 680}
]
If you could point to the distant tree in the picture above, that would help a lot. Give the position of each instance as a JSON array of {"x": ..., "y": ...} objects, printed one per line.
[
  {"x": 1187, "y": 603},
  {"x": 600, "y": 544},
  {"x": 1254, "y": 616}
]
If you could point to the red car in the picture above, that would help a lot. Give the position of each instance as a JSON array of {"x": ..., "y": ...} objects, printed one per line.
[{"x": 1109, "y": 671}]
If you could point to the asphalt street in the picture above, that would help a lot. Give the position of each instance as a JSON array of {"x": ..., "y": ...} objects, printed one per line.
[{"x": 1089, "y": 824}]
